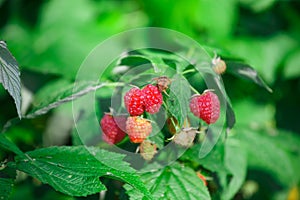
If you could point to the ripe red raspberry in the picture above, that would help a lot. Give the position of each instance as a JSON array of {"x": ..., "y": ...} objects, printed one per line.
[
  {"x": 138, "y": 129},
  {"x": 134, "y": 101},
  {"x": 113, "y": 128},
  {"x": 206, "y": 106},
  {"x": 152, "y": 98}
]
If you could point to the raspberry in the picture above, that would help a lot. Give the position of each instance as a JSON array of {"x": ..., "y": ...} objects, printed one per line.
[
  {"x": 185, "y": 137},
  {"x": 113, "y": 128},
  {"x": 138, "y": 129},
  {"x": 148, "y": 150},
  {"x": 206, "y": 107},
  {"x": 162, "y": 83},
  {"x": 218, "y": 65},
  {"x": 134, "y": 101},
  {"x": 152, "y": 98}
]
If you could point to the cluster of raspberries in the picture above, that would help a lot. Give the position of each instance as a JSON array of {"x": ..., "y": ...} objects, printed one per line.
[
  {"x": 149, "y": 99},
  {"x": 136, "y": 101}
]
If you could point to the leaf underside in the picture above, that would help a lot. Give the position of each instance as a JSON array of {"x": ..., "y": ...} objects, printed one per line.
[
  {"x": 66, "y": 93},
  {"x": 10, "y": 75},
  {"x": 244, "y": 71}
]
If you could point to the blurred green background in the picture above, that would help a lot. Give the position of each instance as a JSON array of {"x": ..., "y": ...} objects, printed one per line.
[{"x": 50, "y": 39}]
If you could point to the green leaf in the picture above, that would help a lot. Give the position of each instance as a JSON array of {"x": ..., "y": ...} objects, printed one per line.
[
  {"x": 7, "y": 176},
  {"x": 260, "y": 116},
  {"x": 9, "y": 145},
  {"x": 172, "y": 182},
  {"x": 6, "y": 187},
  {"x": 244, "y": 71},
  {"x": 264, "y": 55},
  {"x": 75, "y": 171},
  {"x": 86, "y": 118},
  {"x": 59, "y": 124},
  {"x": 61, "y": 92},
  {"x": 290, "y": 68},
  {"x": 225, "y": 159},
  {"x": 266, "y": 155},
  {"x": 230, "y": 116},
  {"x": 159, "y": 66},
  {"x": 178, "y": 101},
  {"x": 258, "y": 6},
  {"x": 235, "y": 161},
  {"x": 10, "y": 75},
  {"x": 289, "y": 143},
  {"x": 134, "y": 60},
  {"x": 156, "y": 135},
  {"x": 214, "y": 161},
  {"x": 164, "y": 55},
  {"x": 222, "y": 15}
]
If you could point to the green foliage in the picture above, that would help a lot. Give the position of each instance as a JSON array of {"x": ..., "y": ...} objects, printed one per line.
[
  {"x": 236, "y": 164},
  {"x": 263, "y": 153},
  {"x": 290, "y": 70},
  {"x": 76, "y": 170},
  {"x": 226, "y": 13},
  {"x": 257, "y": 153},
  {"x": 245, "y": 71},
  {"x": 226, "y": 160},
  {"x": 258, "y": 5},
  {"x": 7, "y": 176},
  {"x": 47, "y": 100},
  {"x": 263, "y": 54},
  {"x": 10, "y": 75},
  {"x": 179, "y": 98},
  {"x": 6, "y": 187},
  {"x": 9, "y": 145},
  {"x": 172, "y": 182}
]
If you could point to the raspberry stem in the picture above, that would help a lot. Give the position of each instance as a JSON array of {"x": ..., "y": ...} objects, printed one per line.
[
  {"x": 125, "y": 140},
  {"x": 188, "y": 71},
  {"x": 174, "y": 124},
  {"x": 194, "y": 90},
  {"x": 166, "y": 107},
  {"x": 114, "y": 84}
]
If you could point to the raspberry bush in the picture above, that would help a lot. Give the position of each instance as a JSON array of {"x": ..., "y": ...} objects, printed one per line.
[{"x": 149, "y": 113}]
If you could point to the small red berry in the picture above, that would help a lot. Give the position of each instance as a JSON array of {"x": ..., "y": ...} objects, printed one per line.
[
  {"x": 152, "y": 98},
  {"x": 138, "y": 129},
  {"x": 113, "y": 128},
  {"x": 134, "y": 101},
  {"x": 206, "y": 107}
]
